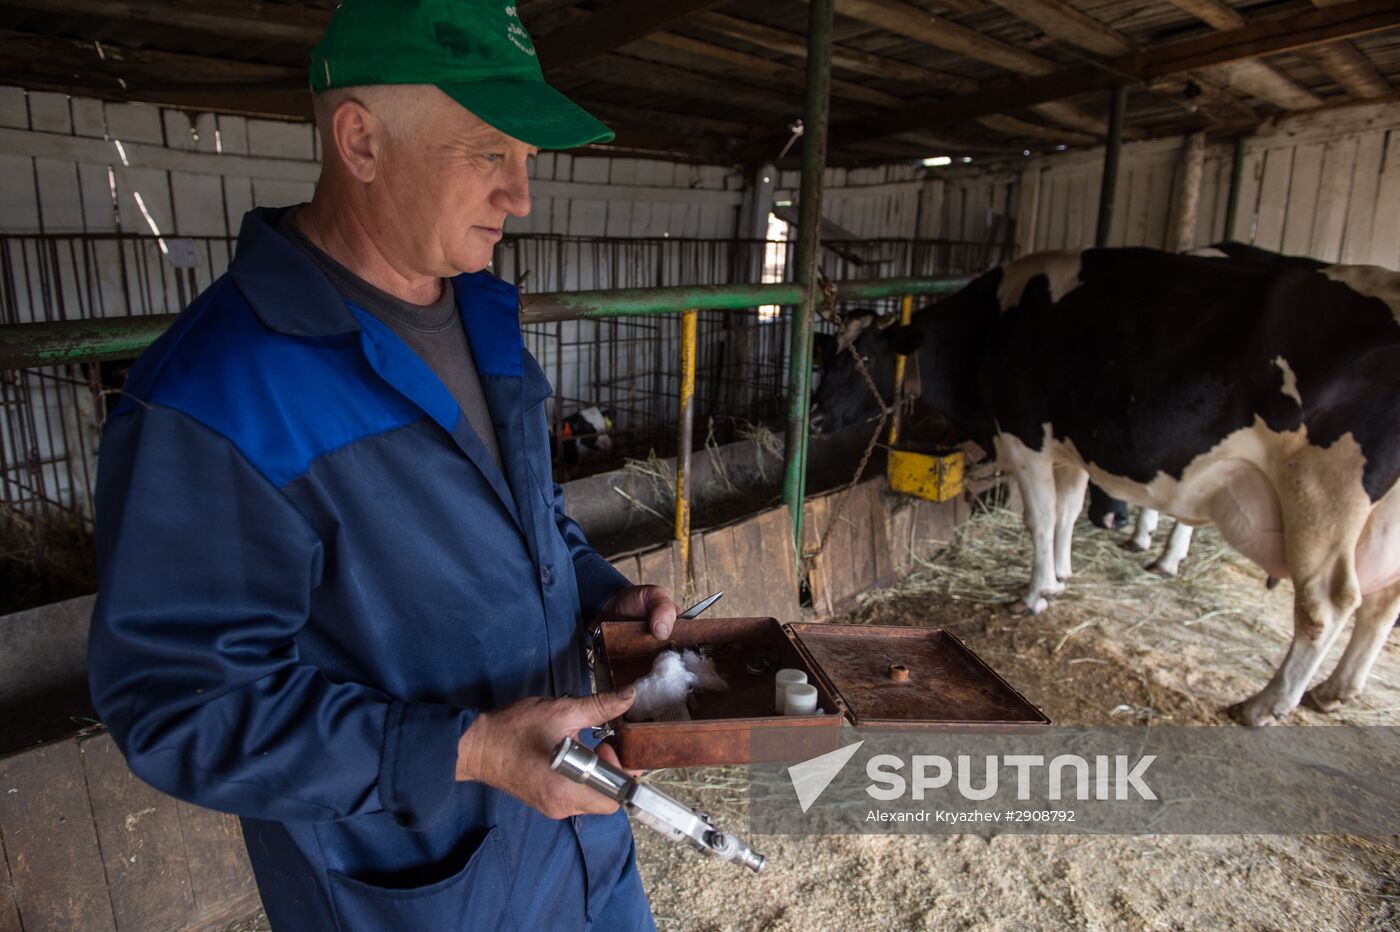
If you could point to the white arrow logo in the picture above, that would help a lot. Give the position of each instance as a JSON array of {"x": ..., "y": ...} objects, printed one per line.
[{"x": 811, "y": 777}]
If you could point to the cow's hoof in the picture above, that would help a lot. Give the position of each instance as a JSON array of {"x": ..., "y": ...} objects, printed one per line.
[
  {"x": 1255, "y": 712},
  {"x": 1322, "y": 699},
  {"x": 1271, "y": 583},
  {"x": 1134, "y": 546},
  {"x": 1161, "y": 569},
  {"x": 1033, "y": 607}
]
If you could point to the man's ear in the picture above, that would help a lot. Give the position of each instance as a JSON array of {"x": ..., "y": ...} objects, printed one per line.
[
  {"x": 906, "y": 339},
  {"x": 358, "y": 137}
]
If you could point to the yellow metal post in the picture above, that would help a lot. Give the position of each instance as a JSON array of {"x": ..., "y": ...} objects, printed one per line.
[
  {"x": 906, "y": 314},
  {"x": 684, "y": 445}
]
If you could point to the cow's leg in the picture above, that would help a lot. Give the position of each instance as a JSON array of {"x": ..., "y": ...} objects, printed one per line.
[
  {"x": 1326, "y": 592},
  {"x": 1144, "y": 529},
  {"x": 1370, "y": 627},
  {"x": 1071, "y": 483},
  {"x": 1035, "y": 476},
  {"x": 1177, "y": 544}
]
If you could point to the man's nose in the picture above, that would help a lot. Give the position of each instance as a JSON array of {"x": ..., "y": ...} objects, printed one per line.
[{"x": 514, "y": 196}]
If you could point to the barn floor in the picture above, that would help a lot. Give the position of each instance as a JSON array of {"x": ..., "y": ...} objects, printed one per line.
[
  {"x": 1122, "y": 647},
  {"x": 1168, "y": 653}
]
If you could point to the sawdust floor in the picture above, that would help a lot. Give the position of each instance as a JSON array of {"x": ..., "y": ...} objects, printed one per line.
[{"x": 1155, "y": 659}]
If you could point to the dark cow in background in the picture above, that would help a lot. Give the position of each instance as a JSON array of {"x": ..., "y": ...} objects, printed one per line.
[{"x": 1263, "y": 400}]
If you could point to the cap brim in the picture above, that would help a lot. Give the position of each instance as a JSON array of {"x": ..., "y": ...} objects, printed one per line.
[{"x": 530, "y": 111}]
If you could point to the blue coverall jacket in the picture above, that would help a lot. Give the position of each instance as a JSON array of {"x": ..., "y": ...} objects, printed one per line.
[{"x": 313, "y": 574}]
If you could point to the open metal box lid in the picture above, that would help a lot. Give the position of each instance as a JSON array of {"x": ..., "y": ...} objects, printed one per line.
[{"x": 941, "y": 683}]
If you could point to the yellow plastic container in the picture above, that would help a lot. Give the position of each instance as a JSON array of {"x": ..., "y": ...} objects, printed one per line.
[{"x": 935, "y": 477}]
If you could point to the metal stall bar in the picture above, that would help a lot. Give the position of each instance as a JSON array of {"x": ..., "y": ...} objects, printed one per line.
[
  {"x": 821, "y": 17},
  {"x": 906, "y": 314},
  {"x": 684, "y": 444},
  {"x": 24, "y": 346},
  {"x": 1113, "y": 148}
]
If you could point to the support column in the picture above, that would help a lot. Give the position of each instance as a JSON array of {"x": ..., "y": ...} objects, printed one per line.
[
  {"x": 1182, "y": 235},
  {"x": 1113, "y": 148},
  {"x": 814, "y": 122},
  {"x": 684, "y": 444},
  {"x": 1232, "y": 209}
]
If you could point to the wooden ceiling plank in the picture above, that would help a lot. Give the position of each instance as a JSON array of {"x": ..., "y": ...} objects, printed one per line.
[
  {"x": 791, "y": 43},
  {"x": 941, "y": 32},
  {"x": 792, "y": 76},
  {"x": 1255, "y": 78},
  {"x": 1261, "y": 37},
  {"x": 1352, "y": 70},
  {"x": 1014, "y": 127},
  {"x": 617, "y": 24},
  {"x": 1058, "y": 19},
  {"x": 292, "y": 24}
]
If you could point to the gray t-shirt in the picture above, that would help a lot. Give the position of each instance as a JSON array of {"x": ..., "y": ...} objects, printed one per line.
[{"x": 433, "y": 331}]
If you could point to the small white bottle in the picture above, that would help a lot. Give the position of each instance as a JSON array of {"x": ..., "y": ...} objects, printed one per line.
[
  {"x": 785, "y": 678},
  {"x": 801, "y": 699}
]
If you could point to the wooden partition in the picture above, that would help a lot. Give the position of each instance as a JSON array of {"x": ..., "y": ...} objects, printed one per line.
[{"x": 88, "y": 846}]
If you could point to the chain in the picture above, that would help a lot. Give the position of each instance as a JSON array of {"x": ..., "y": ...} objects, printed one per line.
[{"x": 830, "y": 313}]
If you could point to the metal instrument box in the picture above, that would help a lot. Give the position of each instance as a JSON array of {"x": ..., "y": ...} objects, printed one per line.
[{"x": 943, "y": 685}]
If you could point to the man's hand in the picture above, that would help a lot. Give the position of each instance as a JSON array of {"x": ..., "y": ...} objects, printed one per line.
[
  {"x": 637, "y": 603},
  {"x": 510, "y": 749}
]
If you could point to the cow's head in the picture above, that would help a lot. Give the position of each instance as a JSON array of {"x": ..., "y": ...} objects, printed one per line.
[{"x": 842, "y": 398}]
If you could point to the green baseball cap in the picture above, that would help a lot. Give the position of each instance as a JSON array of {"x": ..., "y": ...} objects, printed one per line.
[{"x": 476, "y": 51}]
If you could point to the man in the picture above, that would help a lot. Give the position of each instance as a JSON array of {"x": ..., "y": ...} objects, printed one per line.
[{"x": 340, "y": 597}]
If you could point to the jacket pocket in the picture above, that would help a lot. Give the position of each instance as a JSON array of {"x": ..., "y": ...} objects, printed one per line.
[{"x": 476, "y": 897}]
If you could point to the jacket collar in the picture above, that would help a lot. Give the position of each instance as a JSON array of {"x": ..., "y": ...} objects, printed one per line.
[{"x": 290, "y": 295}]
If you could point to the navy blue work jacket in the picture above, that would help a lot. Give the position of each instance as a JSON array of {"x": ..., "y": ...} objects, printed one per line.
[{"x": 313, "y": 574}]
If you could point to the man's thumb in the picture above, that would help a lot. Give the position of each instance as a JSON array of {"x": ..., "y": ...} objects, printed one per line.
[{"x": 601, "y": 707}]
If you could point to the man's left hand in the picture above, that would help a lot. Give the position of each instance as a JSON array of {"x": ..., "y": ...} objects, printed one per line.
[{"x": 637, "y": 603}]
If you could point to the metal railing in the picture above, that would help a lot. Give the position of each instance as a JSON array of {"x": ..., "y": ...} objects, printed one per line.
[{"x": 73, "y": 309}]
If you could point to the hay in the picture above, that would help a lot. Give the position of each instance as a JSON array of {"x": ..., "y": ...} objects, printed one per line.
[{"x": 989, "y": 563}]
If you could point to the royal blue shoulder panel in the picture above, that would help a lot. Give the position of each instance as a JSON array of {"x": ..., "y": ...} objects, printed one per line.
[
  {"x": 490, "y": 310},
  {"x": 282, "y": 401}
]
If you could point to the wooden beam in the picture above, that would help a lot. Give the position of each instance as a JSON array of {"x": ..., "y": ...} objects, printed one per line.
[
  {"x": 902, "y": 19},
  {"x": 1058, "y": 19},
  {"x": 664, "y": 79},
  {"x": 57, "y": 55},
  {"x": 1014, "y": 127},
  {"x": 791, "y": 43},
  {"x": 1349, "y": 67},
  {"x": 789, "y": 75},
  {"x": 1352, "y": 70},
  {"x": 1255, "y": 78},
  {"x": 916, "y": 23},
  {"x": 298, "y": 25},
  {"x": 619, "y": 23},
  {"x": 1262, "y": 37}
]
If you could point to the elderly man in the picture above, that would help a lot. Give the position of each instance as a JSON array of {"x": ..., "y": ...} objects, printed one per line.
[{"x": 340, "y": 596}]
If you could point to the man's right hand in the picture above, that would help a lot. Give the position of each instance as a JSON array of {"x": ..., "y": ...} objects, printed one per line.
[{"x": 510, "y": 749}]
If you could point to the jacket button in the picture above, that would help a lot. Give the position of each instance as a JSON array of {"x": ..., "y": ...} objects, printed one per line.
[{"x": 546, "y": 574}]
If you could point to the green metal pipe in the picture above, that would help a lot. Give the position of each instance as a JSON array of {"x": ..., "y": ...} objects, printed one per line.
[
  {"x": 1113, "y": 149},
  {"x": 1232, "y": 208},
  {"x": 76, "y": 341},
  {"x": 821, "y": 15}
]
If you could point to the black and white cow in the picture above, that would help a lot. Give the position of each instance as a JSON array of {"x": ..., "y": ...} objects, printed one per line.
[
  {"x": 1109, "y": 512},
  {"x": 586, "y": 431},
  {"x": 1263, "y": 400}
]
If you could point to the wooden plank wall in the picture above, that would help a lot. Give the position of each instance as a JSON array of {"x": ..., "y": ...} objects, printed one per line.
[
  {"x": 89, "y": 846},
  {"x": 1325, "y": 185}
]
